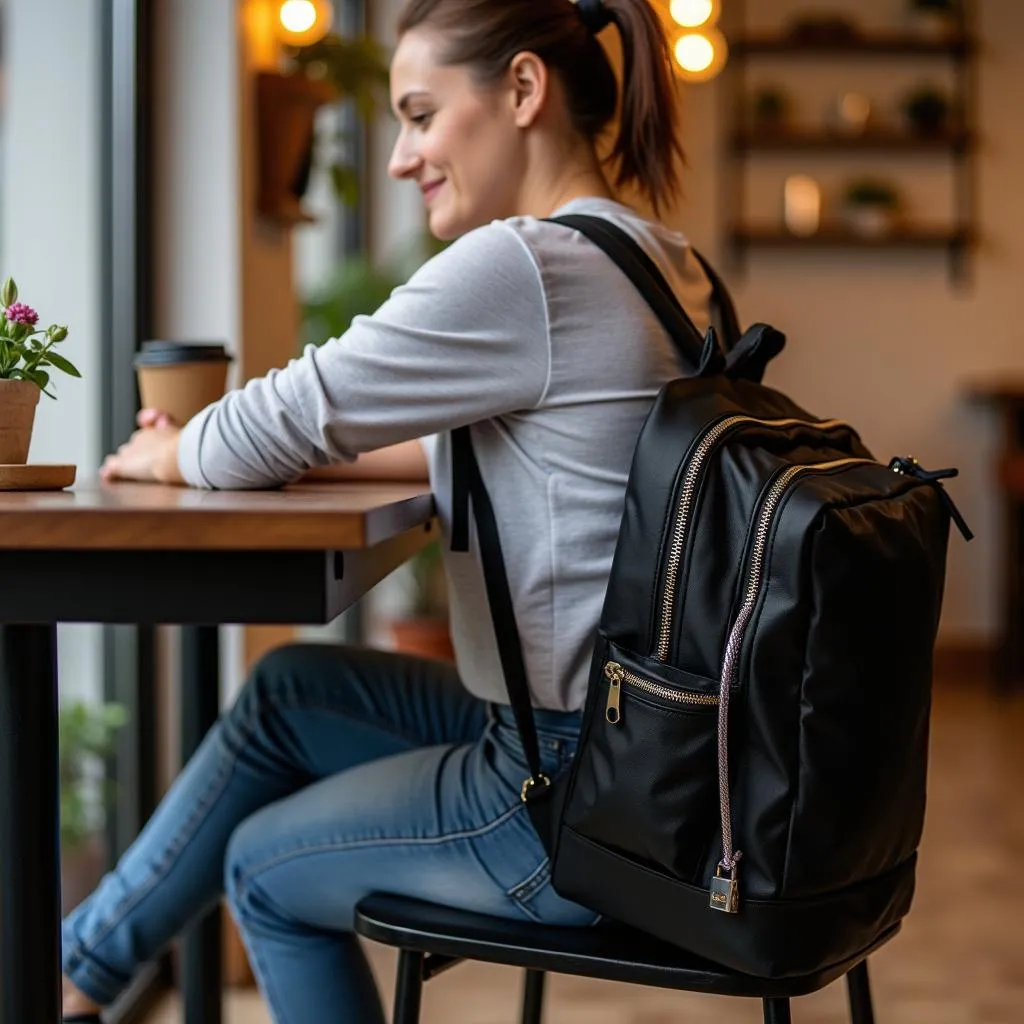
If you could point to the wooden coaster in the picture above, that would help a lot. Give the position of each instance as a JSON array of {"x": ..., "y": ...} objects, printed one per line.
[{"x": 36, "y": 478}]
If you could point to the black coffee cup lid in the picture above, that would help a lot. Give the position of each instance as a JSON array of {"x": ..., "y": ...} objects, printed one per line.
[{"x": 171, "y": 353}]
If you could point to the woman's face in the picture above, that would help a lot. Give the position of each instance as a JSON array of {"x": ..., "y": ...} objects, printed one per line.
[{"x": 459, "y": 141}]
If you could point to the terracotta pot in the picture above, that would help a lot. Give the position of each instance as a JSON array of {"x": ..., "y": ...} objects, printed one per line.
[
  {"x": 286, "y": 109},
  {"x": 425, "y": 638},
  {"x": 18, "y": 401},
  {"x": 81, "y": 869}
]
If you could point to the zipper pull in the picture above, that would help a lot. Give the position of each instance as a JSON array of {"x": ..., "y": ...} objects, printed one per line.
[
  {"x": 614, "y": 674},
  {"x": 909, "y": 466}
]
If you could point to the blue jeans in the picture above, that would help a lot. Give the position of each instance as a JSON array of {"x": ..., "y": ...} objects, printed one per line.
[{"x": 337, "y": 773}]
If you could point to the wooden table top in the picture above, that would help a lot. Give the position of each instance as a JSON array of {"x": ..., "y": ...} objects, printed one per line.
[{"x": 128, "y": 516}]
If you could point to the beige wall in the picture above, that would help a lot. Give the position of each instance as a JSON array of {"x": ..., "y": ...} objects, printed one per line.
[{"x": 881, "y": 339}]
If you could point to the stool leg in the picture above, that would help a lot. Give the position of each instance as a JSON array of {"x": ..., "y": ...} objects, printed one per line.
[
  {"x": 776, "y": 1011},
  {"x": 858, "y": 988},
  {"x": 533, "y": 997},
  {"x": 409, "y": 989}
]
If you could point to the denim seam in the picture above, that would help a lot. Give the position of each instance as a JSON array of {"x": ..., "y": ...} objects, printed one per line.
[
  {"x": 523, "y": 890},
  {"x": 107, "y": 983},
  {"x": 250, "y": 873}
]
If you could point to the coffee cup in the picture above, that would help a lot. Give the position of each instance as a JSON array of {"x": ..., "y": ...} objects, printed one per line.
[{"x": 181, "y": 378}]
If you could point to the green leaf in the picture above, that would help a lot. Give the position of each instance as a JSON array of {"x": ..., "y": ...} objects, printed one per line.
[
  {"x": 40, "y": 377},
  {"x": 61, "y": 363},
  {"x": 345, "y": 179}
]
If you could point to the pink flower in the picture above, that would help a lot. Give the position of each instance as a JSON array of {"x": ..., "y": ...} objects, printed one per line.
[{"x": 19, "y": 313}]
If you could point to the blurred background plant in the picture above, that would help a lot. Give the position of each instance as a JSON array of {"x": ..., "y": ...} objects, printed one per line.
[
  {"x": 357, "y": 69},
  {"x": 87, "y": 735}
]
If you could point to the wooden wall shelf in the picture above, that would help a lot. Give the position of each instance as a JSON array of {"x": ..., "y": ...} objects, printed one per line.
[
  {"x": 839, "y": 237},
  {"x": 875, "y": 140},
  {"x": 866, "y": 45},
  {"x": 838, "y": 39}
]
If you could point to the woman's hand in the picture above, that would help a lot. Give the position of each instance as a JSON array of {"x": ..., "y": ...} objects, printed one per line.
[{"x": 150, "y": 454}]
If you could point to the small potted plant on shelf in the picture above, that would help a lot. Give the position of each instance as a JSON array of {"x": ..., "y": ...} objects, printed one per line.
[
  {"x": 87, "y": 733},
  {"x": 825, "y": 29},
  {"x": 935, "y": 18},
  {"x": 927, "y": 111},
  {"x": 871, "y": 207},
  {"x": 770, "y": 111},
  {"x": 26, "y": 357}
]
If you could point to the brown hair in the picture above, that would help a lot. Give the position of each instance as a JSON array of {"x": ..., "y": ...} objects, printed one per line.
[{"x": 487, "y": 34}]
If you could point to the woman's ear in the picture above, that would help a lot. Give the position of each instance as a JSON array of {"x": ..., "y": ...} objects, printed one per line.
[{"x": 529, "y": 83}]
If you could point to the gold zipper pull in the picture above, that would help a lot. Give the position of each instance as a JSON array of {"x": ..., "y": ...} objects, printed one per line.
[{"x": 614, "y": 674}]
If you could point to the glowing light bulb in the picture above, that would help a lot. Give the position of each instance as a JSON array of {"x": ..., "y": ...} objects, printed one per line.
[
  {"x": 694, "y": 13},
  {"x": 700, "y": 55},
  {"x": 304, "y": 22},
  {"x": 298, "y": 15},
  {"x": 695, "y": 52}
]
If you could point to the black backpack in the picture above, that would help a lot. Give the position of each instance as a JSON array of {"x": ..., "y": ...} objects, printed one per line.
[{"x": 750, "y": 777}]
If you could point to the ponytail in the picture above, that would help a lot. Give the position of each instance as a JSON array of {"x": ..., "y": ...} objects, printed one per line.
[
  {"x": 487, "y": 34},
  {"x": 648, "y": 152}
]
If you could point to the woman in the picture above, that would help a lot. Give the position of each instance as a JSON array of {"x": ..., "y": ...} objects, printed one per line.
[{"x": 339, "y": 772}]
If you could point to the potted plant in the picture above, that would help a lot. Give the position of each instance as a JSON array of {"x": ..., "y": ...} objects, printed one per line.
[
  {"x": 937, "y": 18},
  {"x": 26, "y": 357},
  {"x": 770, "y": 110},
  {"x": 871, "y": 207},
  {"x": 287, "y": 104},
  {"x": 86, "y": 738},
  {"x": 927, "y": 111}
]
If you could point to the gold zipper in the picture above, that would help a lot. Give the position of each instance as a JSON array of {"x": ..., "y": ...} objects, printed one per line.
[
  {"x": 687, "y": 498},
  {"x": 617, "y": 675},
  {"x": 755, "y": 574}
]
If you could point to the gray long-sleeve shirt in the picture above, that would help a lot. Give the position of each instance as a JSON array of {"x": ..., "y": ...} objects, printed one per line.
[{"x": 528, "y": 332}]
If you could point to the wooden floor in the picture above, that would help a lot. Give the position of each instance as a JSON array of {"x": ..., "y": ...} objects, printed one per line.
[{"x": 958, "y": 960}]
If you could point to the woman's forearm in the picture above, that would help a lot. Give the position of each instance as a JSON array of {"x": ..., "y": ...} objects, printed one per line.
[{"x": 399, "y": 462}]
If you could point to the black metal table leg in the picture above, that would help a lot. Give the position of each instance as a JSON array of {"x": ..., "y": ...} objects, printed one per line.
[
  {"x": 200, "y": 704},
  {"x": 29, "y": 833}
]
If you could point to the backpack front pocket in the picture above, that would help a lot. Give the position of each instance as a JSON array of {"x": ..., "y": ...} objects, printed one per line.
[{"x": 646, "y": 781}]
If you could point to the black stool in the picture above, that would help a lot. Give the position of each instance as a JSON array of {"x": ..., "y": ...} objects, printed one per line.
[{"x": 432, "y": 939}]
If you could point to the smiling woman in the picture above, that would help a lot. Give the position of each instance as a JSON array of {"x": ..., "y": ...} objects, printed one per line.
[{"x": 341, "y": 771}]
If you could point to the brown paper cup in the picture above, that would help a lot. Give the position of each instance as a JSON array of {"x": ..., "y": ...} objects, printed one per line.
[{"x": 181, "y": 380}]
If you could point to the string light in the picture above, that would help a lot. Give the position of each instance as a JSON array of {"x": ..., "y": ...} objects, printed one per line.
[
  {"x": 304, "y": 22},
  {"x": 700, "y": 55},
  {"x": 694, "y": 13}
]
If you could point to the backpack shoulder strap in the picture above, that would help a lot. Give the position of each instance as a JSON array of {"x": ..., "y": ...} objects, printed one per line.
[
  {"x": 634, "y": 262},
  {"x": 469, "y": 484}
]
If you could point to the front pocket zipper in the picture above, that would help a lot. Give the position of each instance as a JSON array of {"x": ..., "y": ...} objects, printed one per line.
[
  {"x": 618, "y": 676},
  {"x": 729, "y": 886},
  {"x": 688, "y": 493}
]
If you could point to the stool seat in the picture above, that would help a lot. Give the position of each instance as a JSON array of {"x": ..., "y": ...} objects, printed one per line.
[{"x": 606, "y": 950}]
